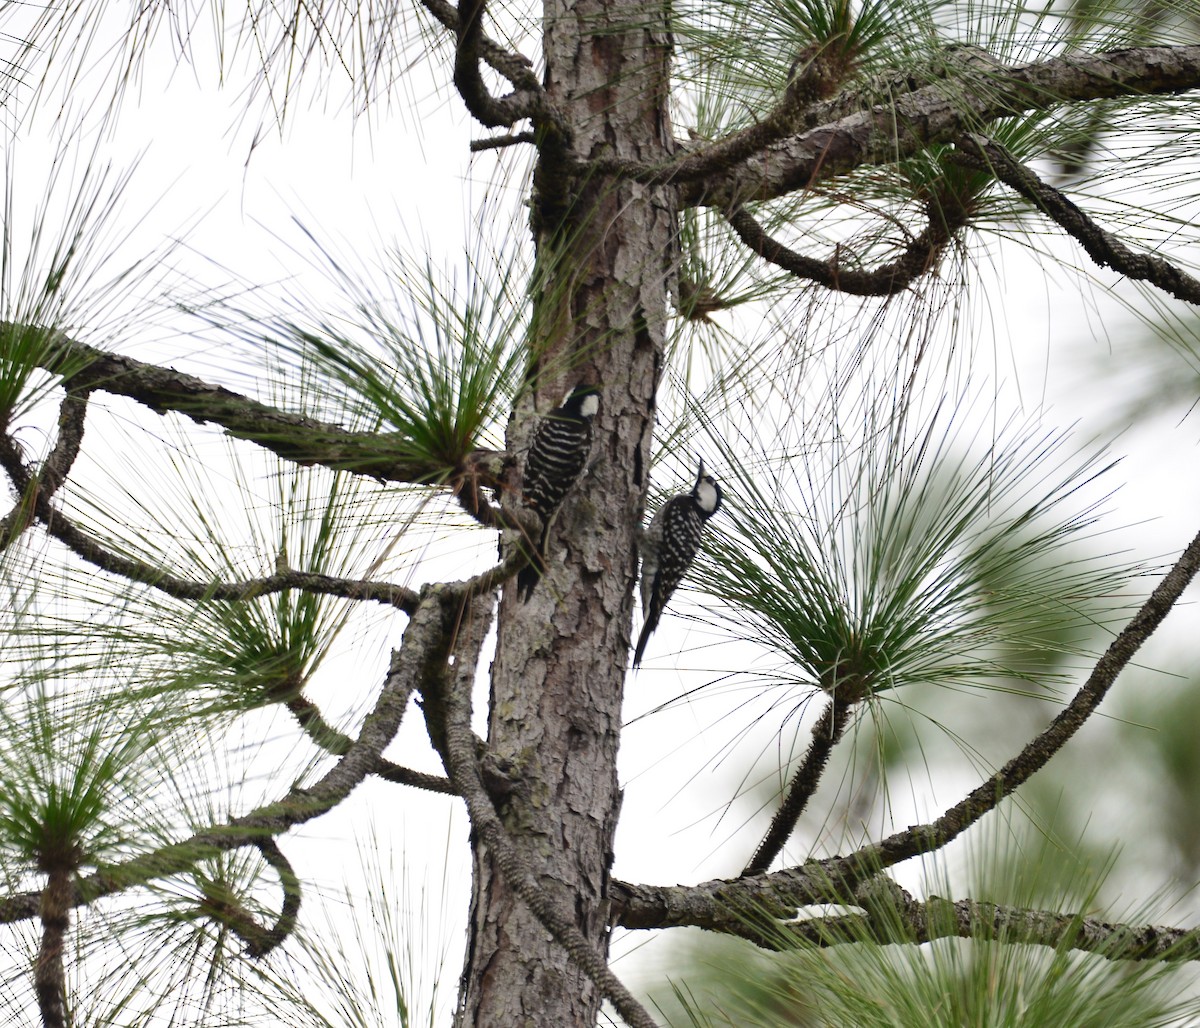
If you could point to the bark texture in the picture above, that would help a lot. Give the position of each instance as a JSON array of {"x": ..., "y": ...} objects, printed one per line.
[{"x": 604, "y": 255}]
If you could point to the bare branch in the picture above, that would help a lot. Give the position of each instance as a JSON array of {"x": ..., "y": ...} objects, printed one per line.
[
  {"x": 332, "y": 741},
  {"x": 826, "y": 734},
  {"x": 1103, "y": 247},
  {"x": 37, "y": 490},
  {"x": 515, "y": 67},
  {"x": 498, "y": 142},
  {"x": 920, "y": 256},
  {"x": 470, "y": 85},
  {"x": 467, "y": 777},
  {"x": 528, "y": 99}
]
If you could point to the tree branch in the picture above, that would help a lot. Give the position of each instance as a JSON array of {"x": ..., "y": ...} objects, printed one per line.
[
  {"x": 422, "y": 651},
  {"x": 826, "y": 734},
  {"x": 726, "y": 905},
  {"x": 1035, "y": 755},
  {"x": 515, "y": 67},
  {"x": 499, "y": 142},
  {"x": 789, "y": 117},
  {"x": 933, "y": 114},
  {"x": 294, "y": 437},
  {"x": 224, "y": 908},
  {"x": 467, "y": 80},
  {"x": 332, "y": 741},
  {"x": 528, "y": 99},
  {"x": 920, "y": 255},
  {"x": 1104, "y": 248},
  {"x": 890, "y": 916},
  {"x": 65, "y": 531},
  {"x": 36, "y": 491}
]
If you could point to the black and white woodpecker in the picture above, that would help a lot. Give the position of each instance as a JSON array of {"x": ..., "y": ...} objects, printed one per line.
[
  {"x": 669, "y": 546},
  {"x": 555, "y": 461}
]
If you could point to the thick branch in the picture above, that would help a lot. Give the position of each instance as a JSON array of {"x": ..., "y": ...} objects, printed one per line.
[
  {"x": 1103, "y": 247},
  {"x": 890, "y": 916},
  {"x": 934, "y": 114},
  {"x": 725, "y": 906},
  {"x": 826, "y": 733},
  {"x": 292, "y": 436},
  {"x": 465, "y": 773},
  {"x": 791, "y": 117}
]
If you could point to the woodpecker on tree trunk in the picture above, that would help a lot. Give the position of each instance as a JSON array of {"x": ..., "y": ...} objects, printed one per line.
[
  {"x": 669, "y": 546},
  {"x": 555, "y": 461}
]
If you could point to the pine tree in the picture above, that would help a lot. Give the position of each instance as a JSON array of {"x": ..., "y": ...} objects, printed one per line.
[{"x": 751, "y": 228}]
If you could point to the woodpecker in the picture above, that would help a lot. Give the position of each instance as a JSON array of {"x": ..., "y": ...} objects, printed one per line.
[
  {"x": 669, "y": 546},
  {"x": 555, "y": 461}
]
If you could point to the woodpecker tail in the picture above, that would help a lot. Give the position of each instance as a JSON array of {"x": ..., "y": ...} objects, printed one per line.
[
  {"x": 648, "y": 627},
  {"x": 529, "y": 576}
]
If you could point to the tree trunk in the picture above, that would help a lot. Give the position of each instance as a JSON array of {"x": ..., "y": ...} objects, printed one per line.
[{"x": 605, "y": 257}]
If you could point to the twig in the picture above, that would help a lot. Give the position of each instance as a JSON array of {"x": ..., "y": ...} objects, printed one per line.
[
  {"x": 497, "y": 142},
  {"x": 826, "y": 733},
  {"x": 1103, "y": 247}
]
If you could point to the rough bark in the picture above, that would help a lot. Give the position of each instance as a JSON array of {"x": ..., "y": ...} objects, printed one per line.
[
  {"x": 49, "y": 976},
  {"x": 604, "y": 249}
]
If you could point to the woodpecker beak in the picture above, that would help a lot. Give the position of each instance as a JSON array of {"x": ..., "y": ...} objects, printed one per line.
[{"x": 701, "y": 472}]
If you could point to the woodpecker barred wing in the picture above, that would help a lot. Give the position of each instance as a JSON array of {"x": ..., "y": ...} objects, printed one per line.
[
  {"x": 674, "y": 536},
  {"x": 556, "y": 459},
  {"x": 669, "y": 546}
]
